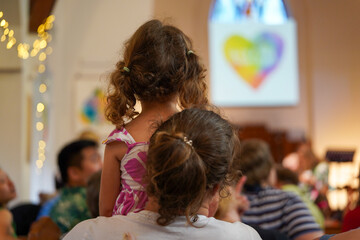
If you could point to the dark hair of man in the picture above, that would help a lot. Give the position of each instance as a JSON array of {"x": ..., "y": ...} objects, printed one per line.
[
  {"x": 71, "y": 156},
  {"x": 286, "y": 176}
]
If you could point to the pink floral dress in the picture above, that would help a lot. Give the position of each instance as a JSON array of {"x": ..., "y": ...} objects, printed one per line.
[{"x": 132, "y": 196}]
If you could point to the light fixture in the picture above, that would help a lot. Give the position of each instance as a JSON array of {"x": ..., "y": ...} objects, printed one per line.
[{"x": 341, "y": 176}]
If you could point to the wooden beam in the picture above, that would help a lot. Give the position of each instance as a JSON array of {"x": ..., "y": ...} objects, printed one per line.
[{"x": 39, "y": 11}]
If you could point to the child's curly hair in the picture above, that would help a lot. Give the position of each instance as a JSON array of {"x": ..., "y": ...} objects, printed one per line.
[
  {"x": 158, "y": 63},
  {"x": 188, "y": 155}
]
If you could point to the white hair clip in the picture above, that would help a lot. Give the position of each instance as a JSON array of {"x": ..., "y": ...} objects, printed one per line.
[
  {"x": 190, "y": 52},
  {"x": 188, "y": 142}
]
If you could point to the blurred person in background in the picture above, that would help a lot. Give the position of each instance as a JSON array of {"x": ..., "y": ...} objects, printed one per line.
[
  {"x": 272, "y": 208},
  {"x": 7, "y": 193},
  {"x": 288, "y": 180},
  {"x": 351, "y": 218},
  {"x": 312, "y": 174},
  {"x": 77, "y": 162}
]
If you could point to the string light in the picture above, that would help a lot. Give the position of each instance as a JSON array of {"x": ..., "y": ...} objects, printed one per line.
[
  {"x": 48, "y": 50},
  {"x": 39, "y": 163},
  {"x": 39, "y": 126},
  {"x": 7, "y": 33},
  {"x": 41, "y": 28},
  {"x": 38, "y": 47},
  {"x": 42, "y": 88},
  {"x": 41, "y": 68},
  {"x": 50, "y": 18},
  {"x": 42, "y": 144},
  {"x": 36, "y": 44},
  {"x": 42, "y": 44},
  {"x": 48, "y": 26},
  {"x": 23, "y": 50},
  {"x": 34, "y": 52},
  {"x": 11, "y": 42},
  {"x": 49, "y": 38},
  {"x": 42, "y": 57},
  {"x": 42, "y": 157},
  {"x": 40, "y": 107},
  {"x": 41, "y": 154}
]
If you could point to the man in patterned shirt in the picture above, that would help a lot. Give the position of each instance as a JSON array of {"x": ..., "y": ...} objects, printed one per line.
[
  {"x": 77, "y": 161},
  {"x": 272, "y": 208}
]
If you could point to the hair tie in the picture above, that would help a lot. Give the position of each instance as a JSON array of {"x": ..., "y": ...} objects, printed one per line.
[
  {"x": 126, "y": 69},
  {"x": 187, "y": 141},
  {"x": 190, "y": 52}
]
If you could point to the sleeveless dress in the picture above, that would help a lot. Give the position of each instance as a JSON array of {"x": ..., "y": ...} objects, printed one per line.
[{"x": 132, "y": 196}]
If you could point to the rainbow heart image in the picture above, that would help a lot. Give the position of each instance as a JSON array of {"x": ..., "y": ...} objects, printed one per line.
[
  {"x": 254, "y": 60},
  {"x": 93, "y": 109}
]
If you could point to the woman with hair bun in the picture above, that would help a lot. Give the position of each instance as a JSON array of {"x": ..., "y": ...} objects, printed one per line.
[{"x": 189, "y": 159}]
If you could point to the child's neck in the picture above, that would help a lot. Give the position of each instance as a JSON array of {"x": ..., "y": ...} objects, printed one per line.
[
  {"x": 152, "y": 113},
  {"x": 165, "y": 109}
]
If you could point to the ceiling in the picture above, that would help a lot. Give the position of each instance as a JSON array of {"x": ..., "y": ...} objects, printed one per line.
[{"x": 38, "y": 11}]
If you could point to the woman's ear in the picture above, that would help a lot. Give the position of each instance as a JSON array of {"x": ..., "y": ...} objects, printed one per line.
[{"x": 214, "y": 196}]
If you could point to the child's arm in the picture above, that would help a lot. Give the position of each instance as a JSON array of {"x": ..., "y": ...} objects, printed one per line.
[{"x": 110, "y": 177}]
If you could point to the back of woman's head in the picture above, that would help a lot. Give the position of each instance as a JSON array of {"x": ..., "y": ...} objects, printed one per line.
[
  {"x": 254, "y": 161},
  {"x": 158, "y": 63},
  {"x": 188, "y": 155}
]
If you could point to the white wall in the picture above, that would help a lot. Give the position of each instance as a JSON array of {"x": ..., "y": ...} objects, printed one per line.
[
  {"x": 10, "y": 140},
  {"x": 335, "y": 59},
  {"x": 13, "y": 149}
]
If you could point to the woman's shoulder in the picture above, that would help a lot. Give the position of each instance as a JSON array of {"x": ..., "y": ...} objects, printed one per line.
[
  {"x": 236, "y": 229},
  {"x": 96, "y": 228}
]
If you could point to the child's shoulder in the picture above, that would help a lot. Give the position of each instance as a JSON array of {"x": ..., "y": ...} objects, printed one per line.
[
  {"x": 121, "y": 135},
  {"x": 140, "y": 129}
]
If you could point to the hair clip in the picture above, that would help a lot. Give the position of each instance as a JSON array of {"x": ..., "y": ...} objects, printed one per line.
[
  {"x": 190, "y": 52},
  {"x": 188, "y": 142},
  {"x": 126, "y": 69}
]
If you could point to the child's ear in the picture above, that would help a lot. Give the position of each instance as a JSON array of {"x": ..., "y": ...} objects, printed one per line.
[{"x": 74, "y": 174}]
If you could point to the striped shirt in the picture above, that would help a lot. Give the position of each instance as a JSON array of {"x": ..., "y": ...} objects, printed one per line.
[{"x": 278, "y": 210}]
